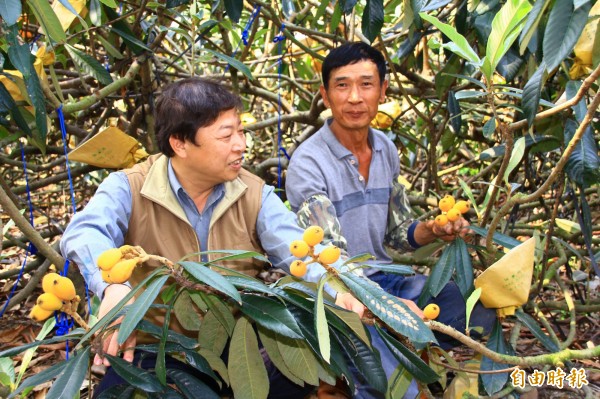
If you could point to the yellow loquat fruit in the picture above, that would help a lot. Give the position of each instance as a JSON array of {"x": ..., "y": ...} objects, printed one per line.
[
  {"x": 329, "y": 255},
  {"x": 299, "y": 248},
  {"x": 298, "y": 268},
  {"x": 431, "y": 311},
  {"x": 48, "y": 301},
  {"x": 453, "y": 215},
  {"x": 64, "y": 288},
  {"x": 121, "y": 272},
  {"x": 39, "y": 314},
  {"x": 446, "y": 203},
  {"x": 462, "y": 206},
  {"x": 49, "y": 281},
  {"x": 109, "y": 258},
  {"x": 441, "y": 220},
  {"x": 313, "y": 235}
]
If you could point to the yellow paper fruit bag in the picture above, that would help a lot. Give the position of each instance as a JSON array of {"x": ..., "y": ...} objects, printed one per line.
[
  {"x": 111, "y": 148},
  {"x": 505, "y": 285},
  {"x": 584, "y": 48},
  {"x": 386, "y": 115}
]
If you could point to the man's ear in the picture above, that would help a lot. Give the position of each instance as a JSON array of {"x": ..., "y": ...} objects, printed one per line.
[
  {"x": 384, "y": 87},
  {"x": 178, "y": 146},
  {"x": 324, "y": 95}
]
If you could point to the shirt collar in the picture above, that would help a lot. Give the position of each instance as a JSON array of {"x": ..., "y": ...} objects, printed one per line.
[
  {"x": 338, "y": 149},
  {"x": 180, "y": 192}
]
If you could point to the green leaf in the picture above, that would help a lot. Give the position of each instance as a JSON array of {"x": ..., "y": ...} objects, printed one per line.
[
  {"x": 10, "y": 11},
  {"x": 212, "y": 333},
  {"x": 137, "y": 310},
  {"x": 489, "y": 128},
  {"x": 532, "y": 23},
  {"x": 46, "y": 329},
  {"x": 321, "y": 325},
  {"x": 441, "y": 273},
  {"x": 186, "y": 313},
  {"x": 350, "y": 319},
  {"x": 9, "y": 103},
  {"x": 221, "y": 311},
  {"x": 121, "y": 28},
  {"x": 537, "y": 332},
  {"x": 372, "y": 19},
  {"x": 216, "y": 363},
  {"x": 68, "y": 384},
  {"x": 48, "y": 20},
  {"x": 135, "y": 376},
  {"x": 235, "y": 254},
  {"x": 506, "y": 26},
  {"x": 454, "y": 113},
  {"x": 532, "y": 92},
  {"x": 190, "y": 386},
  {"x": 232, "y": 62},
  {"x": 269, "y": 342},
  {"x": 89, "y": 65},
  {"x": 74, "y": 335},
  {"x": 463, "y": 267},
  {"x": 271, "y": 314},
  {"x": 234, "y": 9},
  {"x": 247, "y": 372},
  {"x": 408, "y": 359},
  {"x": 248, "y": 283},
  {"x": 204, "y": 275},
  {"x": 300, "y": 359},
  {"x": 388, "y": 308},
  {"x": 563, "y": 29},
  {"x": 40, "y": 378},
  {"x": 470, "y": 304},
  {"x": 395, "y": 269},
  {"x": 360, "y": 258},
  {"x": 461, "y": 45},
  {"x": 515, "y": 157},
  {"x": 494, "y": 382},
  {"x": 499, "y": 238},
  {"x": 447, "y": 75},
  {"x": 583, "y": 166},
  {"x": 110, "y": 49},
  {"x": 7, "y": 372}
]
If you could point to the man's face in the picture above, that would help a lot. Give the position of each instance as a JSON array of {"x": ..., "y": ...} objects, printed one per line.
[
  {"x": 354, "y": 94},
  {"x": 217, "y": 155}
]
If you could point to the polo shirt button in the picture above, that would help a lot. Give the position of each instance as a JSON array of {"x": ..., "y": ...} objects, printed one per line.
[
  {"x": 352, "y": 161},
  {"x": 361, "y": 178}
]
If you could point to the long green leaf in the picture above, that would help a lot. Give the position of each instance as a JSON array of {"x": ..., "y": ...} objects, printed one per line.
[
  {"x": 389, "y": 309},
  {"x": 515, "y": 157},
  {"x": 203, "y": 274},
  {"x": 46, "y": 329},
  {"x": 454, "y": 112},
  {"x": 300, "y": 359},
  {"x": 321, "y": 325},
  {"x": 251, "y": 284},
  {"x": 10, "y": 11},
  {"x": 89, "y": 65},
  {"x": 48, "y": 20},
  {"x": 68, "y": 384},
  {"x": 372, "y": 19},
  {"x": 190, "y": 386},
  {"x": 234, "y": 254},
  {"x": 583, "y": 166},
  {"x": 212, "y": 333},
  {"x": 247, "y": 372},
  {"x": 232, "y": 62},
  {"x": 135, "y": 376},
  {"x": 494, "y": 382},
  {"x": 462, "y": 46},
  {"x": 234, "y": 9},
  {"x": 443, "y": 270},
  {"x": 40, "y": 378},
  {"x": 221, "y": 311},
  {"x": 408, "y": 359},
  {"x": 463, "y": 268},
  {"x": 271, "y": 314},
  {"x": 499, "y": 238},
  {"x": 9, "y": 103},
  {"x": 395, "y": 269},
  {"x": 121, "y": 28},
  {"x": 564, "y": 27},
  {"x": 138, "y": 309},
  {"x": 535, "y": 329},
  {"x": 269, "y": 342},
  {"x": 532, "y": 92},
  {"x": 506, "y": 26},
  {"x": 531, "y": 25},
  {"x": 470, "y": 304}
]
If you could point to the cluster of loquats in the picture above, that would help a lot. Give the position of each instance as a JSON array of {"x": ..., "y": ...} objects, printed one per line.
[
  {"x": 117, "y": 264},
  {"x": 57, "y": 291},
  {"x": 451, "y": 210},
  {"x": 312, "y": 236}
]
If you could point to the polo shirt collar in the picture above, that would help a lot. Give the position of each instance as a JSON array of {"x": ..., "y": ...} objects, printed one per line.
[{"x": 338, "y": 149}]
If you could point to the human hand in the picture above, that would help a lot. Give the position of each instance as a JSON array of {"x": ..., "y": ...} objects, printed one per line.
[
  {"x": 428, "y": 231},
  {"x": 347, "y": 301},
  {"x": 113, "y": 294}
]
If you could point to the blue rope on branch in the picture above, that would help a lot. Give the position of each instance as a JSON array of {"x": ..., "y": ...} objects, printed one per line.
[
  {"x": 279, "y": 39},
  {"x": 245, "y": 32}
]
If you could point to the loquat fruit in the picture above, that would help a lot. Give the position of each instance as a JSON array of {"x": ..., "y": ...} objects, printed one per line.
[
  {"x": 109, "y": 258},
  {"x": 299, "y": 248},
  {"x": 106, "y": 276},
  {"x": 446, "y": 203},
  {"x": 49, "y": 281},
  {"x": 453, "y": 215},
  {"x": 49, "y": 301},
  {"x": 462, "y": 206},
  {"x": 121, "y": 272},
  {"x": 441, "y": 220},
  {"x": 39, "y": 314},
  {"x": 64, "y": 288},
  {"x": 329, "y": 255},
  {"x": 431, "y": 311},
  {"x": 298, "y": 268},
  {"x": 313, "y": 235}
]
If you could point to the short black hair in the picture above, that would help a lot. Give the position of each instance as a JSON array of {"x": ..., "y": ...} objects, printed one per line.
[
  {"x": 351, "y": 53},
  {"x": 187, "y": 105}
]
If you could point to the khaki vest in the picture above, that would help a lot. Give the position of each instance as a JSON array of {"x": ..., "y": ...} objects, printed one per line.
[{"x": 159, "y": 225}]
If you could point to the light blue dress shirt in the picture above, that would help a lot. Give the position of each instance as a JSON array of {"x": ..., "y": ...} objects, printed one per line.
[{"x": 104, "y": 221}]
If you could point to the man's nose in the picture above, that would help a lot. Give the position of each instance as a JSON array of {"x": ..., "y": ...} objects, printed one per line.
[
  {"x": 240, "y": 143},
  {"x": 354, "y": 94}
]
